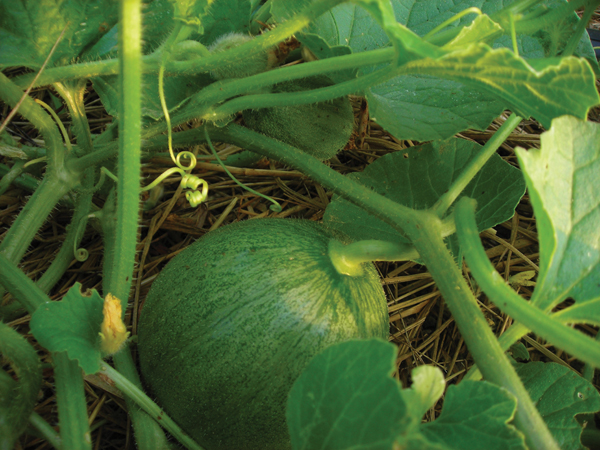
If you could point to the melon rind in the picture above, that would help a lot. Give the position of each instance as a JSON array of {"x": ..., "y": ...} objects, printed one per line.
[{"x": 231, "y": 322}]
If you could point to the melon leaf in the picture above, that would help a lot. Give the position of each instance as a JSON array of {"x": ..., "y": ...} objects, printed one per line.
[
  {"x": 416, "y": 177},
  {"x": 560, "y": 394},
  {"x": 28, "y": 30},
  {"x": 72, "y": 325},
  {"x": 346, "y": 398},
  {"x": 562, "y": 178},
  {"x": 476, "y": 414},
  {"x": 425, "y": 107},
  {"x": 436, "y": 101}
]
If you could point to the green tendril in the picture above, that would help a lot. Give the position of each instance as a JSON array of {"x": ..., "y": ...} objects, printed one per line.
[
  {"x": 188, "y": 181},
  {"x": 103, "y": 173},
  {"x": 109, "y": 174},
  {"x": 275, "y": 207},
  {"x": 59, "y": 123},
  {"x": 161, "y": 178},
  {"x": 163, "y": 104},
  {"x": 81, "y": 254},
  {"x": 189, "y": 155},
  {"x": 460, "y": 15},
  {"x": 35, "y": 161}
]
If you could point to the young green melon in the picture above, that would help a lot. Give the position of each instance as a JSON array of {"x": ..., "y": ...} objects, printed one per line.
[
  {"x": 251, "y": 65},
  {"x": 320, "y": 129},
  {"x": 230, "y": 323}
]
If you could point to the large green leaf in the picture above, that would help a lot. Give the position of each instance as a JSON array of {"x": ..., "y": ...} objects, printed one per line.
[
  {"x": 72, "y": 325},
  {"x": 418, "y": 176},
  {"x": 29, "y": 29},
  {"x": 466, "y": 88},
  {"x": 191, "y": 12},
  {"x": 560, "y": 394},
  {"x": 564, "y": 186},
  {"x": 346, "y": 399},
  {"x": 423, "y": 107},
  {"x": 558, "y": 88},
  {"x": 226, "y": 16},
  {"x": 475, "y": 415},
  {"x": 349, "y": 25}
]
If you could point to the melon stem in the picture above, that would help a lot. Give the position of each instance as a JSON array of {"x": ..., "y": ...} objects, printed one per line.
[{"x": 349, "y": 259}]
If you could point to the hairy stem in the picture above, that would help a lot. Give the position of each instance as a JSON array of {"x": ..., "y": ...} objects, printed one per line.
[
  {"x": 508, "y": 301},
  {"x": 512, "y": 335},
  {"x": 426, "y": 232},
  {"x": 20, "y": 286},
  {"x": 118, "y": 268},
  {"x": 145, "y": 403},
  {"x": 70, "y": 398},
  {"x": 348, "y": 259},
  {"x": 473, "y": 327},
  {"x": 20, "y": 397},
  {"x": 44, "y": 429},
  {"x": 15, "y": 171},
  {"x": 475, "y": 165},
  {"x": 11, "y": 94},
  {"x": 301, "y": 98},
  {"x": 34, "y": 214},
  {"x": 128, "y": 187},
  {"x": 68, "y": 377}
]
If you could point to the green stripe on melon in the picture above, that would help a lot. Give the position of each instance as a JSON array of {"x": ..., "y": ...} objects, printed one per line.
[{"x": 231, "y": 322}]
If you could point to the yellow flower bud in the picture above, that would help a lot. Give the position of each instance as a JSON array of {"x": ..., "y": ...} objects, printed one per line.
[{"x": 113, "y": 332}]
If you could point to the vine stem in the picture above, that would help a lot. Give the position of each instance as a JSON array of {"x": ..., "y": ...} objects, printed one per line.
[
  {"x": 475, "y": 165},
  {"x": 152, "y": 63},
  {"x": 508, "y": 301},
  {"x": 34, "y": 214},
  {"x": 44, "y": 428},
  {"x": 12, "y": 95},
  {"x": 74, "y": 427},
  {"x": 478, "y": 336},
  {"x": 348, "y": 259},
  {"x": 426, "y": 230},
  {"x": 146, "y": 404},
  {"x": 20, "y": 397},
  {"x": 287, "y": 99},
  {"x": 72, "y": 408},
  {"x": 119, "y": 264},
  {"x": 128, "y": 186}
]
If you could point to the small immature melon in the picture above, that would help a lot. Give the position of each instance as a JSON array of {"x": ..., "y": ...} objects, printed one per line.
[
  {"x": 232, "y": 321},
  {"x": 320, "y": 129},
  {"x": 251, "y": 65},
  {"x": 187, "y": 50}
]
